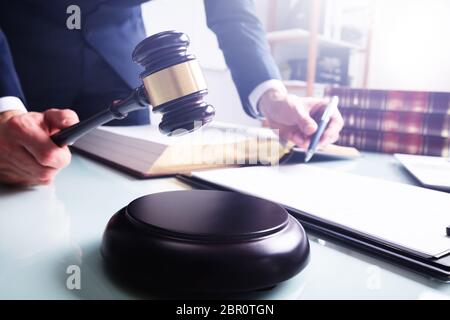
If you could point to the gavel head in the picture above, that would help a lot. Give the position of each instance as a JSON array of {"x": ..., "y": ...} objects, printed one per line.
[{"x": 174, "y": 82}]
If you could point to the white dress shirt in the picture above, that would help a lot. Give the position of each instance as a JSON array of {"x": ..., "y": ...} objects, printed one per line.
[
  {"x": 11, "y": 103},
  {"x": 259, "y": 91}
]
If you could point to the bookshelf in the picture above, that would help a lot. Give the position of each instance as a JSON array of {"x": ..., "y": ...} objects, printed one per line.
[{"x": 315, "y": 42}]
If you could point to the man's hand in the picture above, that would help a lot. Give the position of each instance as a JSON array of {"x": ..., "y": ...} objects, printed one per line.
[
  {"x": 294, "y": 117},
  {"x": 27, "y": 154}
]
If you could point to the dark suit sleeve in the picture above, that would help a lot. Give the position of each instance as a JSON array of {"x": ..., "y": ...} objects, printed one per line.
[
  {"x": 243, "y": 42},
  {"x": 9, "y": 82}
]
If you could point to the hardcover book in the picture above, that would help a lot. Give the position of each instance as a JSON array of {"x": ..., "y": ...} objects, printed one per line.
[
  {"x": 144, "y": 152},
  {"x": 429, "y": 124},
  {"x": 392, "y": 100},
  {"x": 394, "y": 121},
  {"x": 391, "y": 142}
]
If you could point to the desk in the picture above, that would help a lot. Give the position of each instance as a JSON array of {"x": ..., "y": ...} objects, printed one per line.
[{"x": 46, "y": 229}]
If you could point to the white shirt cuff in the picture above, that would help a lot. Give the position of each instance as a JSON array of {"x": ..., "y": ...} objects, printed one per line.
[
  {"x": 259, "y": 91},
  {"x": 11, "y": 103}
]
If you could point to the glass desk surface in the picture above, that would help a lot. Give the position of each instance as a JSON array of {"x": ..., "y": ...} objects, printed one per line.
[{"x": 47, "y": 231}]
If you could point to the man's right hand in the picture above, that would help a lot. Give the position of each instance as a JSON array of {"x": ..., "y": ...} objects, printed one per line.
[{"x": 27, "y": 154}]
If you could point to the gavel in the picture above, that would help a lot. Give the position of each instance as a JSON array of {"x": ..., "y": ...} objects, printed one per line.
[{"x": 173, "y": 84}]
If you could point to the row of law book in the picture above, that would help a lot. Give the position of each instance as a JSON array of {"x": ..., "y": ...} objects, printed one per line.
[
  {"x": 392, "y": 142},
  {"x": 413, "y": 122},
  {"x": 428, "y": 124},
  {"x": 392, "y": 100}
]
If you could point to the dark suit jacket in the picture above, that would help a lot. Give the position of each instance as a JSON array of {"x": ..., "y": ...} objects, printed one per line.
[
  {"x": 46, "y": 53},
  {"x": 9, "y": 82}
]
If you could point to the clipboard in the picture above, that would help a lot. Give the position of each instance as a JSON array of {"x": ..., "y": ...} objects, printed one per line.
[{"x": 434, "y": 268}]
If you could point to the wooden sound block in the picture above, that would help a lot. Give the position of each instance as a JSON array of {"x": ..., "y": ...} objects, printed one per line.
[{"x": 204, "y": 241}]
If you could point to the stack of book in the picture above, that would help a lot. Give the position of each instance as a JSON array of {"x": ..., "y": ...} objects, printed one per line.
[{"x": 389, "y": 121}]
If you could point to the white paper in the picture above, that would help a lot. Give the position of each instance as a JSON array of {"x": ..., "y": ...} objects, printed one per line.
[
  {"x": 430, "y": 171},
  {"x": 408, "y": 216}
]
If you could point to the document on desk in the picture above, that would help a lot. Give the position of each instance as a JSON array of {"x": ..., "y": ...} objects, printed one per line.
[
  {"x": 433, "y": 172},
  {"x": 402, "y": 215}
]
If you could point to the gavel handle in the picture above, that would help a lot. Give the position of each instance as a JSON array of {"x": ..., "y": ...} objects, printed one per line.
[{"x": 136, "y": 100}]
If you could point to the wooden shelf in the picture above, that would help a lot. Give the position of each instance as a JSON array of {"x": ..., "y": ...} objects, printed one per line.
[
  {"x": 302, "y": 84},
  {"x": 302, "y": 35},
  {"x": 295, "y": 84},
  {"x": 314, "y": 41},
  {"x": 299, "y": 86}
]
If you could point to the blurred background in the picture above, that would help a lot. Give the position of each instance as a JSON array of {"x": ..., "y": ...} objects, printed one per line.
[{"x": 324, "y": 46}]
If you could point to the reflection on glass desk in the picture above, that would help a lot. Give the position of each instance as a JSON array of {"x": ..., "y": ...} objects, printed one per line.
[{"x": 46, "y": 230}]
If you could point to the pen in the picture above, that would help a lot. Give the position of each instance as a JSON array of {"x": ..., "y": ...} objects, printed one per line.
[{"x": 329, "y": 110}]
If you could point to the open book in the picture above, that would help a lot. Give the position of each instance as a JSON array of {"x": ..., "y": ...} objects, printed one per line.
[{"x": 144, "y": 152}]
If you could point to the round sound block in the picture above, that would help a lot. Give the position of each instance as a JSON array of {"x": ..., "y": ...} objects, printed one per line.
[{"x": 204, "y": 241}]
